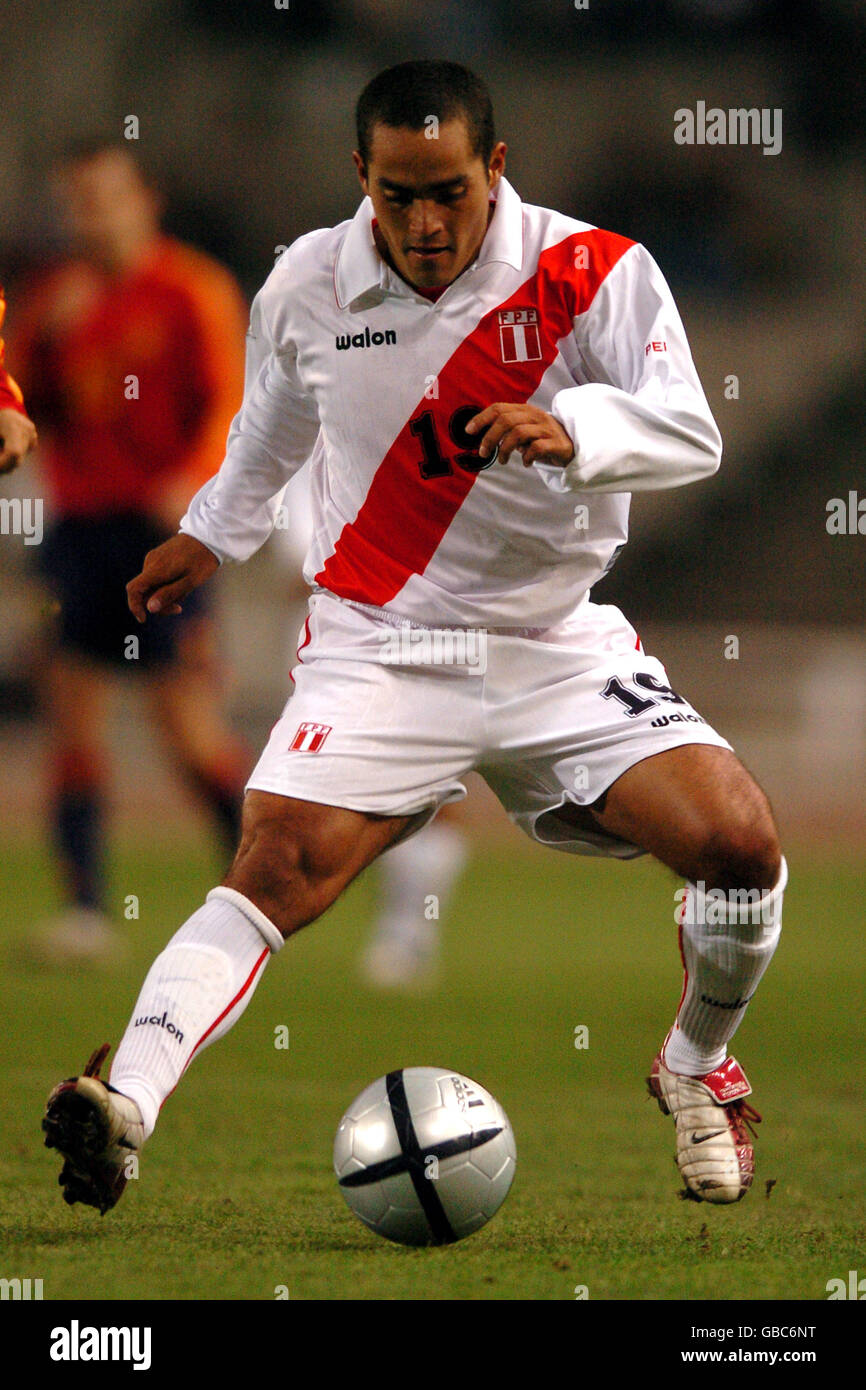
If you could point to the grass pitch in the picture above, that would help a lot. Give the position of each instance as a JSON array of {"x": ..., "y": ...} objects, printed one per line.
[{"x": 236, "y": 1197}]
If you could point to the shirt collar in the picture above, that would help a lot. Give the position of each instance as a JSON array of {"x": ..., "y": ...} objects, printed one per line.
[{"x": 359, "y": 268}]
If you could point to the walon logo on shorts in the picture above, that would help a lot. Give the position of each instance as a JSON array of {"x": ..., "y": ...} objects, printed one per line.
[{"x": 309, "y": 738}]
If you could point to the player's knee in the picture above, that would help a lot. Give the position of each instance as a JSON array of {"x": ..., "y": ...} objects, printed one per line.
[
  {"x": 280, "y": 870},
  {"x": 266, "y": 869},
  {"x": 743, "y": 854}
]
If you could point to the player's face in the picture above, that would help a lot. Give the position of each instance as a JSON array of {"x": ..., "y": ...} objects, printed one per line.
[
  {"x": 430, "y": 197},
  {"x": 109, "y": 209}
]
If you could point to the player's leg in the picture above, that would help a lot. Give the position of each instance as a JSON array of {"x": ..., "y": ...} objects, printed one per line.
[
  {"x": 294, "y": 860},
  {"x": 184, "y": 698},
  {"x": 296, "y": 857},
  {"x": 300, "y": 847},
  {"x": 74, "y": 700},
  {"x": 84, "y": 562},
  {"x": 415, "y": 882},
  {"x": 73, "y": 695},
  {"x": 697, "y": 809},
  {"x": 608, "y": 758}
]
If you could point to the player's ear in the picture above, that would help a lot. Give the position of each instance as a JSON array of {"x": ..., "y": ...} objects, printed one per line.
[
  {"x": 496, "y": 165},
  {"x": 361, "y": 168}
]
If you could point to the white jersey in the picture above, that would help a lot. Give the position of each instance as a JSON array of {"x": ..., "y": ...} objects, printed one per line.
[{"x": 349, "y": 363}]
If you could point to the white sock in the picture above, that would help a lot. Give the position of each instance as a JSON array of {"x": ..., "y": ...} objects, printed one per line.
[
  {"x": 726, "y": 947},
  {"x": 422, "y": 868},
  {"x": 193, "y": 993}
]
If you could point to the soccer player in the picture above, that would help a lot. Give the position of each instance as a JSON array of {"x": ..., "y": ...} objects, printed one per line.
[
  {"x": 491, "y": 380},
  {"x": 131, "y": 359},
  {"x": 17, "y": 430}
]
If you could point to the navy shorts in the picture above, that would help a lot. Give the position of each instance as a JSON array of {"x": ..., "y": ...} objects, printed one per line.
[{"x": 88, "y": 563}]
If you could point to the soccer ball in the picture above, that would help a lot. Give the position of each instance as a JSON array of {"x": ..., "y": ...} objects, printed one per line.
[{"x": 424, "y": 1156}]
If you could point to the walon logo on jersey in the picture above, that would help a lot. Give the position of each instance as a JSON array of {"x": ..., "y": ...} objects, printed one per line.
[
  {"x": 518, "y": 335},
  {"x": 366, "y": 339},
  {"x": 309, "y": 738}
]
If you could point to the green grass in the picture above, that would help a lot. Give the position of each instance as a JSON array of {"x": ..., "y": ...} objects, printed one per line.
[{"x": 236, "y": 1194}]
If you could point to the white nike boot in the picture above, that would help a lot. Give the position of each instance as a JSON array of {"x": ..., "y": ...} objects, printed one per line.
[{"x": 714, "y": 1152}]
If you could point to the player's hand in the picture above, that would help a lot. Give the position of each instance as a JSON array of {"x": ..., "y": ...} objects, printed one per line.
[
  {"x": 170, "y": 572},
  {"x": 534, "y": 434},
  {"x": 17, "y": 437}
]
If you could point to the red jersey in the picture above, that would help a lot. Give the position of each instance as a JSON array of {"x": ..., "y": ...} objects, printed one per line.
[{"x": 134, "y": 378}]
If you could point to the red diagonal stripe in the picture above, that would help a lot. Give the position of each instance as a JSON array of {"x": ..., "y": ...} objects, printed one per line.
[{"x": 404, "y": 516}]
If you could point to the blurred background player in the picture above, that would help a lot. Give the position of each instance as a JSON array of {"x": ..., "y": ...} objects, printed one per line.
[
  {"x": 131, "y": 350},
  {"x": 17, "y": 431},
  {"x": 414, "y": 880}
]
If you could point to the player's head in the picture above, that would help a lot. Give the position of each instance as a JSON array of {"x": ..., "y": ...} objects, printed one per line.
[
  {"x": 111, "y": 205},
  {"x": 428, "y": 157}
]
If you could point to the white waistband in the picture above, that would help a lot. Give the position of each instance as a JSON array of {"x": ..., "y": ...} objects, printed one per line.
[{"x": 384, "y": 615}]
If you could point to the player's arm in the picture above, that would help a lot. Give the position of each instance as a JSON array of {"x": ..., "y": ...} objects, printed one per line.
[
  {"x": 642, "y": 422},
  {"x": 270, "y": 438},
  {"x": 234, "y": 512}
]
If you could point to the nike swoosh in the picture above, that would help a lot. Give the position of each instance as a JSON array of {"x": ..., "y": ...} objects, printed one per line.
[{"x": 702, "y": 1138}]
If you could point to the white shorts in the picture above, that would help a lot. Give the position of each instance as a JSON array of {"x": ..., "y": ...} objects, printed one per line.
[{"x": 386, "y": 717}]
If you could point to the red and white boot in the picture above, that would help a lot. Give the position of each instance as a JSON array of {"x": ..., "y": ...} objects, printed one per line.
[{"x": 714, "y": 1152}]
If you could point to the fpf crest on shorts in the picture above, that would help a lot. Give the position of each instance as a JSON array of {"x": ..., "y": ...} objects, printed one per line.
[{"x": 309, "y": 738}]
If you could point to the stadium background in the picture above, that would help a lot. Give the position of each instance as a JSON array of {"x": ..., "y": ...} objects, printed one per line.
[{"x": 245, "y": 114}]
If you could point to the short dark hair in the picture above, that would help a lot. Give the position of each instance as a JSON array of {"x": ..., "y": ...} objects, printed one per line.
[{"x": 409, "y": 93}]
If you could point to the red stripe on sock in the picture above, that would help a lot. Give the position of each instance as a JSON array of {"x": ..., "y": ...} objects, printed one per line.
[
  {"x": 228, "y": 1008},
  {"x": 240, "y": 994},
  {"x": 682, "y": 953}
]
